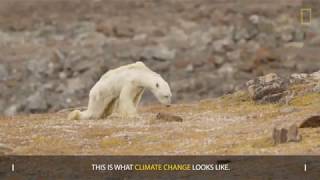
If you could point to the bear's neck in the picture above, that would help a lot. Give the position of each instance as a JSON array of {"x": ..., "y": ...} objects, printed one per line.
[{"x": 146, "y": 80}]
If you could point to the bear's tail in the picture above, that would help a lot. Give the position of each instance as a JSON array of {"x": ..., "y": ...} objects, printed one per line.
[{"x": 74, "y": 115}]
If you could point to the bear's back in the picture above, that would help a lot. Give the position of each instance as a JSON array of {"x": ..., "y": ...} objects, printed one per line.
[{"x": 134, "y": 66}]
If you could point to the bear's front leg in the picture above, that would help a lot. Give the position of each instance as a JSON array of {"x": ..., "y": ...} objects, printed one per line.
[{"x": 126, "y": 105}]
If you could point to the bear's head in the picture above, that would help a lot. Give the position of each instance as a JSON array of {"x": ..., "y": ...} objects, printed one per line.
[{"x": 160, "y": 88}]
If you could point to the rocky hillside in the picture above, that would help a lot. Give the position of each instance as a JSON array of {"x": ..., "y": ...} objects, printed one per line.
[
  {"x": 272, "y": 115},
  {"x": 52, "y": 52}
]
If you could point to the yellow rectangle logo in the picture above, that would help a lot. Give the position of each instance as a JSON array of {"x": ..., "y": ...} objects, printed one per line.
[{"x": 305, "y": 16}]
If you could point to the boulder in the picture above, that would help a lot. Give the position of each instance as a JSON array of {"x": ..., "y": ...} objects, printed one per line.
[
  {"x": 267, "y": 89},
  {"x": 168, "y": 117},
  {"x": 311, "y": 122},
  {"x": 286, "y": 134},
  {"x": 293, "y": 134}
]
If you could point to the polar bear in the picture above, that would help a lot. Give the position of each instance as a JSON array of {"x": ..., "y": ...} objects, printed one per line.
[{"x": 121, "y": 89}]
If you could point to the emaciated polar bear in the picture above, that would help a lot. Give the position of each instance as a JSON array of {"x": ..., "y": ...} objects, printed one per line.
[{"x": 121, "y": 90}]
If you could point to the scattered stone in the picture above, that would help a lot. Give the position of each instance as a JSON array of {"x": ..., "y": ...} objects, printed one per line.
[
  {"x": 78, "y": 84},
  {"x": 190, "y": 68},
  {"x": 226, "y": 70},
  {"x": 315, "y": 75},
  {"x": 298, "y": 78},
  {"x": 311, "y": 122},
  {"x": 3, "y": 72},
  {"x": 317, "y": 88},
  {"x": 234, "y": 55},
  {"x": 63, "y": 75},
  {"x": 293, "y": 134},
  {"x": 105, "y": 28},
  {"x": 286, "y": 36},
  {"x": 38, "y": 67},
  {"x": 12, "y": 110},
  {"x": 168, "y": 117},
  {"x": 218, "y": 60},
  {"x": 222, "y": 45},
  {"x": 279, "y": 135},
  {"x": 299, "y": 35},
  {"x": 286, "y": 134},
  {"x": 122, "y": 31},
  {"x": 294, "y": 45},
  {"x": 160, "y": 53},
  {"x": 37, "y": 102},
  {"x": 255, "y": 19}
]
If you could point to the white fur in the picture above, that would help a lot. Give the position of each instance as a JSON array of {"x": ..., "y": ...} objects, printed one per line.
[{"x": 121, "y": 90}]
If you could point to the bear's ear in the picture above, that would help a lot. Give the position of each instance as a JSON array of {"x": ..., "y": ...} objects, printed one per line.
[{"x": 157, "y": 85}]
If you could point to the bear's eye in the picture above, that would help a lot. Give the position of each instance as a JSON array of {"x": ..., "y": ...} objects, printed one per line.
[{"x": 157, "y": 85}]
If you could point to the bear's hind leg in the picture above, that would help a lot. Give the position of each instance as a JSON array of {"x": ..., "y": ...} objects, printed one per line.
[
  {"x": 97, "y": 107},
  {"x": 110, "y": 108}
]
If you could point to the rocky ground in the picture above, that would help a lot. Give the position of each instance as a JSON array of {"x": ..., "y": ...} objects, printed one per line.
[
  {"x": 238, "y": 123},
  {"x": 52, "y": 52}
]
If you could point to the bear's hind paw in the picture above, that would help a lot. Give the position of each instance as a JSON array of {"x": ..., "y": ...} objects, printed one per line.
[{"x": 74, "y": 115}]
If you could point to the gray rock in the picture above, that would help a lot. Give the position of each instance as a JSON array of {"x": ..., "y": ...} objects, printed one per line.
[
  {"x": 286, "y": 134},
  {"x": 296, "y": 45},
  {"x": 37, "y": 102},
  {"x": 240, "y": 33},
  {"x": 227, "y": 70},
  {"x": 221, "y": 45},
  {"x": 317, "y": 88},
  {"x": 63, "y": 75},
  {"x": 315, "y": 41},
  {"x": 286, "y": 36},
  {"x": 123, "y": 31},
  {"x": 12, "y": 110},
  {"x": 176, "y": 37},
  {"x": 298, "y": 78},
  {"x": 4, "y": 74},
  {"x": 234, "y": 55},
  {"x": 38, "y": 67},
  {"x": 190, "y": 68},
  {"x": 293, "y": 134},
  {"x": 299, "y": 35},
  {"x": 168, "y": 117},
  {"x": 254, "y": 19},
  {"x": 160, "y": 52},
  {"x": 218, "y": 60},
  {"x": 265, "y": 25},
  {"x": 77, "y": 84},
  {"x": 315, "y": 75},
  {"x": 279, "y": 135}
]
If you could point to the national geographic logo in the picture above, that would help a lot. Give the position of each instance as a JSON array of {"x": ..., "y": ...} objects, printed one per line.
[{"x": 305, "y": 16}]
